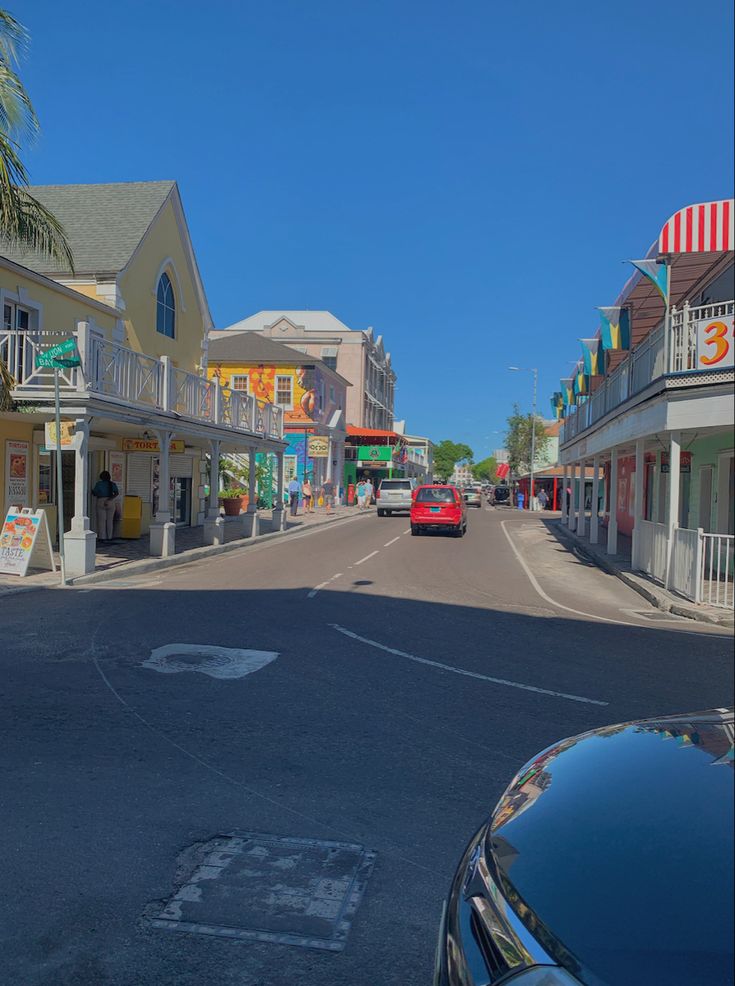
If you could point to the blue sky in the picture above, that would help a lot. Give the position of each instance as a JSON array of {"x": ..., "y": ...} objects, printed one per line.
[{"x": 466, "y": 178}]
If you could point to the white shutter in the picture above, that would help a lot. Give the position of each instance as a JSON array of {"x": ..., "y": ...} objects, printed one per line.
[{"x": 138, "y": 477}]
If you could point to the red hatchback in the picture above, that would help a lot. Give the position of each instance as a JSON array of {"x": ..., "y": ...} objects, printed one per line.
[{"x": 440, "y": 508}]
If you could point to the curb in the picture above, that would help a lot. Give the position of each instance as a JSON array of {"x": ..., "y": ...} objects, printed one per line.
[
  {"x": 194, "y": 555},
  {"x": 657, "y": 597}
]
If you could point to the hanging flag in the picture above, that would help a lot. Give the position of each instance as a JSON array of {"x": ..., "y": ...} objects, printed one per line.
[
  {"x": 581, "y": 382},
  {"x": 657, "y": 274},
  {"x": 567, "y": 389},
  {"x": 615, "y": 328},
  {"x": 557, "y": 404},
  {"x": 593, "y": 356}
]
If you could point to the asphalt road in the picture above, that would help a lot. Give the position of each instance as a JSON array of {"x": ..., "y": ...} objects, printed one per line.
[{"x": 414, "y": 677}]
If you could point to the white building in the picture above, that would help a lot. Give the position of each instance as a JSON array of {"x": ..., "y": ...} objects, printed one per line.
[{"x": 358, "y": 355}]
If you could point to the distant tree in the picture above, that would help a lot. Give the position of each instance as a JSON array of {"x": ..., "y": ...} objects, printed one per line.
[
  {"x": 23, "y": 220},
  {"x": 518, "y": 440},
  {"x": 447, "y": 454},
  {"x": 485, "y": 469}
]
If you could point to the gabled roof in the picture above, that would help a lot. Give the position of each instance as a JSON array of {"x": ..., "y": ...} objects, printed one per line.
[
  {"x": 251, "y": 349},
  {"x": 311, "y": 321},
  {"x": 104, "y": 224}
]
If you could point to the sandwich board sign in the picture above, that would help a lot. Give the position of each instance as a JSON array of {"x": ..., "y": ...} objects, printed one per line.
[{"x": 25, "y": 542}]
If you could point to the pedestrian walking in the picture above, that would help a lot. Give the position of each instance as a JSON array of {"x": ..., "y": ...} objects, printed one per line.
[
  {"x": 543, "y": 499},
  {"x": 369, "y": 490},
  {"x": 293, "y": 496},
  {"x": 361, "y": 495},
  {"x": 308, "y": 496},
  {"x": 105, "y": 493},
  {"x": 328, "y": 494}
]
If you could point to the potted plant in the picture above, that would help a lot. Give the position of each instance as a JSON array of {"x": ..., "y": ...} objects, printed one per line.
[{"x": 231, "y": 498}]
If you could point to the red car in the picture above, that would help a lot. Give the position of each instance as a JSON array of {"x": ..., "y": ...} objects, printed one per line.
[{"x": 440, "y": 508}]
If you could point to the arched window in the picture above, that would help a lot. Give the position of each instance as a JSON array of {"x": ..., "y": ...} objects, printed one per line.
[{"x": 165, "y": 307}]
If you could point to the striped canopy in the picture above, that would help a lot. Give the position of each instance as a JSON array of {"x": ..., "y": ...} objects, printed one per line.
[{"x": 701, "y": 228}]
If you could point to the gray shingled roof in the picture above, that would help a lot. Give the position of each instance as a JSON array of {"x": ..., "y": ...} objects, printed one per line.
[
  {"x": 249, "y": 347},
  {"x": 104, "y": 223}
]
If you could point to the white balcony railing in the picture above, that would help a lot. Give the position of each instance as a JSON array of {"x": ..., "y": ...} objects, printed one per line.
[
  {"x": 717, "y": 569},
  {"x": 129, "y": 377},
  {"x": 648, "y": 362}
]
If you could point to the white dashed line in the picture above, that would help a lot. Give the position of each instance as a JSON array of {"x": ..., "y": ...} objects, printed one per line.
[
  {"x": 392, "y": 542},
  {"x": 310, "y": 595},
  {"x": 407, "y": 531},
  {"x": 461, "y": 671},
  {"x": 372, "y": 554}
]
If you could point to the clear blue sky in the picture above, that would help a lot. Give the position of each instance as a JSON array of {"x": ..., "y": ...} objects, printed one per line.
[{"x": 466, "y": 178}]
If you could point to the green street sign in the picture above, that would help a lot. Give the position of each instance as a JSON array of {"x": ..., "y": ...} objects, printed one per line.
[{"x": 62, "y": 355}]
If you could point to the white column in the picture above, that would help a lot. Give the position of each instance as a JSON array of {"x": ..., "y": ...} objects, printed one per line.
[
  {"x": 214, "y": 525},
  {"x": 594, "y": 517},
  {"x": 672, "y": 515},
  {"x": 278, "y": 511},
  {"x": 640, "y": 468},
  {"x": 612, "y": 527},
  {"x": 163, "y": 530},
  {"x": 581, "y": 515},
  {"x": 251, "y": 519},
  {"x": 330, "y": 453},
  {"x": 573, "y": 498},
  {"x": 79, "y": 542},
  {"x": 564, "y": 484}
]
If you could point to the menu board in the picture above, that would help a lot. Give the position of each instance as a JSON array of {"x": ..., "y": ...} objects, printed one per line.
[
  {"x": 25, "y": 542},
  {"x": 17, "y": 473}
]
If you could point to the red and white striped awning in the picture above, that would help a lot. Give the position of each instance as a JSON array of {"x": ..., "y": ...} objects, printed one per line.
[{"x": 707, "y": 227}]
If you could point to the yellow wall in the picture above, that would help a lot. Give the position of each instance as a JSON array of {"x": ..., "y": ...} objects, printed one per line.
[
  {"x": 60, "y": 310},
  {"x": 138, "y": 288}
]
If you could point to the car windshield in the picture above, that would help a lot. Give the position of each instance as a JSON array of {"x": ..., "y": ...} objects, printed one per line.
[
  {"x": 396, "y": 484},
  {"x": 435, "y": 494}
]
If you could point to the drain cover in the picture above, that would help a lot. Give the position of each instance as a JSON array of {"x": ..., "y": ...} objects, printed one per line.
[
  {"x": 265, "y": 888},
  {"x": 217, "y": 662}
]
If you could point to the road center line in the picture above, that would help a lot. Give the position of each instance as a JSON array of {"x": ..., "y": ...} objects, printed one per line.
[
  {"x": 462, "y": 671},
  {"x": 392, "y": 542},
  {"x": 310, "y": 595},
  {"x": 372, "y": 553}
]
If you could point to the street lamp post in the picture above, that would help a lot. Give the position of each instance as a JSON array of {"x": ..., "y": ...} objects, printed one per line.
[{"x": 534, "y": 370}]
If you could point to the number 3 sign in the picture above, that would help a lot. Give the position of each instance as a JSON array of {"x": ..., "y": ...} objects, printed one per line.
[{"x": 715, "y": 345}]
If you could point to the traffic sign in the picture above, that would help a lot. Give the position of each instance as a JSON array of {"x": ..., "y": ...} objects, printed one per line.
[{"x": 64, "y": 354}]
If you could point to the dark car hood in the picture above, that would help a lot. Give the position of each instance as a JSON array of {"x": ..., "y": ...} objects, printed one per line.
[{"x": 615, "y": 848}]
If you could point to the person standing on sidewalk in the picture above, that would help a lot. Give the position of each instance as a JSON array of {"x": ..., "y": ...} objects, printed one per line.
[
  {"x": 369, "y": 490},
  {"x": 543, "y": 499},
  {"x": 328, "y": 494},
  {"x": 308, "y": 496},
  {"x": 105, "y": 493},
  {"x": 360, "y": 495},
  {"x": 293, "y": 496}
]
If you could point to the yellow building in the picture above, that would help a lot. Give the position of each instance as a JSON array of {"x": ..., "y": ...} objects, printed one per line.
[{"x": 140, "y": 402}]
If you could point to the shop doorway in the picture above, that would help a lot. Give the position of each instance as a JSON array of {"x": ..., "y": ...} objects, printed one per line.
[
  {"x": 181, "y": 501},
  {"x": 705, "y": 498}
]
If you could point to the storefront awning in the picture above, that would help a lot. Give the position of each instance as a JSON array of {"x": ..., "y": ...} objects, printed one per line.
[{"x": 705, "y": 227}]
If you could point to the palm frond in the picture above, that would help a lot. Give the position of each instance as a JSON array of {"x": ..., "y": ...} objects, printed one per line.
[{"x": 6, "y": 385}]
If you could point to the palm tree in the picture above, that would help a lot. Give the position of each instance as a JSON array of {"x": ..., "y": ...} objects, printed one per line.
[{"x": 23, "y": 220}]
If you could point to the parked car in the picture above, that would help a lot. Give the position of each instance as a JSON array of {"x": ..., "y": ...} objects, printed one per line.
[
  {"x": 438, "y": 508},
  {"x": 472, "y": 496},
  {"x": 501, "y": 496},
  {"x": 393, "y": 495},
  {"x": 607, "y": 862}
]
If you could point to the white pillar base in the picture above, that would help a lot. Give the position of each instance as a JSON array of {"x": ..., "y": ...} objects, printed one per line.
[
  {"x": 214, "y": 530},
  {"x": 250, "y": 524},
  {"x": 79, "y": 551},
  {"x": 163, "y": 538},
  {"x": 279, "y": 519}
]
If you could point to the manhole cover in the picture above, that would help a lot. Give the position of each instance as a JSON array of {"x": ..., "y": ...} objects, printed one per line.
[
  {"x": 265, "y": 888},
  {"x": 217, "y": 662}
]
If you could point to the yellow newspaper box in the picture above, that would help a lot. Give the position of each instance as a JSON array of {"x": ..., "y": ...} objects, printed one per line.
[{"x": 132, "y": 517}]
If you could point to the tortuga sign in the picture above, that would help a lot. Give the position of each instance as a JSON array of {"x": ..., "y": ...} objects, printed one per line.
[
  {"x": 151, "y": 445},
  {"x": 318, "y": 447}
]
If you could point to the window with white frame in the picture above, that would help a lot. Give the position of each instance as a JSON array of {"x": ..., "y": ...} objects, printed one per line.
[
  {"x": 290, "y": 467},
  {"x": 284, "y": 391},
  {"x": 165, "y": 307},
  {"x": 329, "y": 357},
  {"x": 240, "y": 381}
]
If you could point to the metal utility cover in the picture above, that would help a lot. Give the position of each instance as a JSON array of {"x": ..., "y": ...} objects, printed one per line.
[{"x": 264, "y": 888}]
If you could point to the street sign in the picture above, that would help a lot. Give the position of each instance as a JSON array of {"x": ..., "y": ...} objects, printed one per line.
[{"x": 63, "y": 355}]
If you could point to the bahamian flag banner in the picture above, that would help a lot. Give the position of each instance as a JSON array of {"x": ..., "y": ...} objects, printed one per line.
[
  {"x": 567, "y": 390},
  {"x": 657, "y": 274},
  {"x": 592, "y": 354},
  {"x": 615, "y": 328},
  {"x": 557, "y": 404},
  {"x": 581, "y": 382}
]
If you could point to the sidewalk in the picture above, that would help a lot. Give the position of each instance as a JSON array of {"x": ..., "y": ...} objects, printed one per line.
[
  {"x": 126, "y": 557},
  {"x": 619, "y": 565}
]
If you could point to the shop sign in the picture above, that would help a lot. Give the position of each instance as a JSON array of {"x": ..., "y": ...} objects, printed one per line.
[
  {"x": 17, "y": 473},
  {"x": 68, "y": 436},
  {"x": 176, "y": 446},
  {"x": 715, "y": 342},
  {"x": 318, "y": 447},
  {"x": 374, "y": 453},
  {"x": 685, "y": 462},
  {"x": 25, "y": 542}
]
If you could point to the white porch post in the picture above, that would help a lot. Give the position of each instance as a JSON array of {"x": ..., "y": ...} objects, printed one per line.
[
  {"x": 251, "y": 519},
  {"x": 278, "y": 511},
  {"x": 612, "y": 526},
  {"x": 329, "y": 457},
  {"x": 594, "y": 516},
  {"x": 214, "y": 525},
  {"x": 564, "y": 484},
  {"x": 79, "y": 543},
  {"x": 581, "y": 515},
  {"x": 163, "y": 530},
  {"x": 573, "y": 498},
  {"x": 640, "y": 467},
  {"x": 672, "y": 516}
]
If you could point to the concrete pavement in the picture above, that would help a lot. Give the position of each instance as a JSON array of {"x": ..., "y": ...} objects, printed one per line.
[{"x": 414, "y": 676}]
